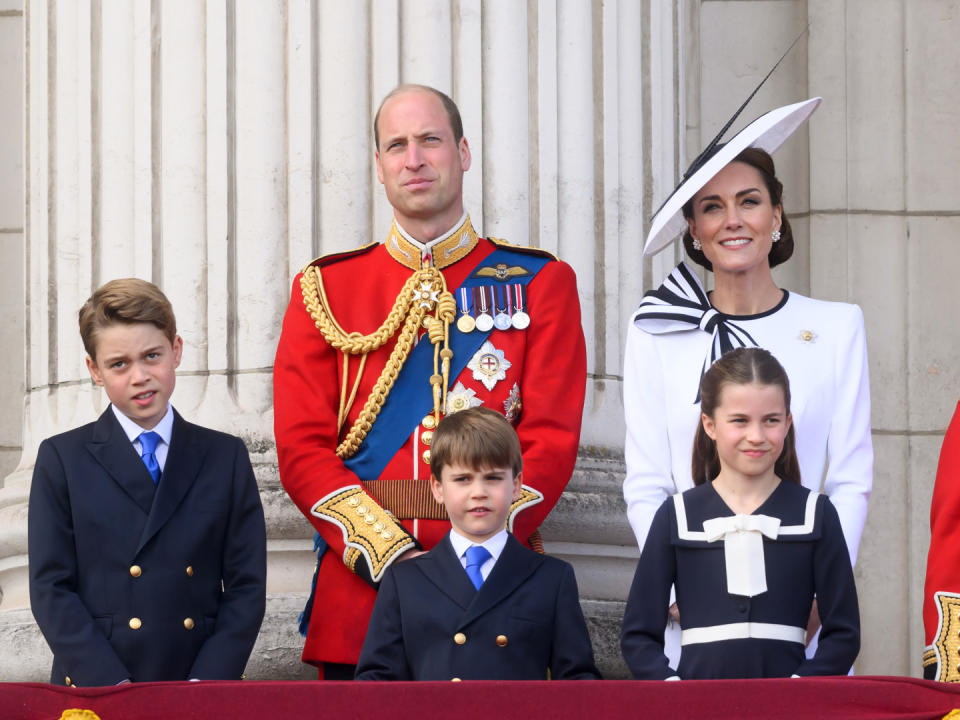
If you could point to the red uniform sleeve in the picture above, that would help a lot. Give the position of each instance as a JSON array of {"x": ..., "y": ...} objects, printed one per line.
[
  {"x": 553, "y": 385},
  {"x": 306, "y": 400},
  {"x": 941, "y": 597}
]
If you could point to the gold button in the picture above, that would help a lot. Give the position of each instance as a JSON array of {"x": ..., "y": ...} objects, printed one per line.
[
  {"x": 354, "y": 501},
  {"x": 429, "y": 422},
  {"x": 370, "y": 519},
  {"x": 134, "y": 623},
  {"x": 379, "y": 527},
  {"x": 362, "y": 510},
  {"x": 386, "y": 535},
  {"x": 189, "y": 570},
  {"x": 188, "y": 623},
  {"x": 426, "y": 456},
  {"x": 501, "y": 640},
  {"x": 136, "y": 571},
  {"x": 67, "y": 680},
  {"x": 427, "y": 437},
  {"x": 455, "y": 680},
  {"x": 460, "y": 638}
]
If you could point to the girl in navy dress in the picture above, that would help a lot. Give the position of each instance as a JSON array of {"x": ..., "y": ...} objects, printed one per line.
[{"x": 747, "y": 548}]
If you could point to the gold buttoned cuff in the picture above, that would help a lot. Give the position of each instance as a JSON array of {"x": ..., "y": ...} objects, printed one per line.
[{"x": 368, "y": 531}]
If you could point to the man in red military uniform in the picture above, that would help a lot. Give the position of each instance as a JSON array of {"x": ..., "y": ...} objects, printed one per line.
[
  {"x": 941, "y": 595},
  {"x": 380, "y": 342}
]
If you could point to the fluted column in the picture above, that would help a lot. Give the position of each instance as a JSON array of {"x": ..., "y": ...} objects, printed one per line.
[{"x": 217, "y": 147}]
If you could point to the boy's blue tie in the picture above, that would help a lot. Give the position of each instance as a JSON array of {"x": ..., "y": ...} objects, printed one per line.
[
  {"x": 476, "y": 556},
  {"x": 148, "y": 448}
]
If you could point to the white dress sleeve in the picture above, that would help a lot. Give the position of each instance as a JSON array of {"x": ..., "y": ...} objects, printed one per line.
[
  {"x": 649, "y": 479},
  {"x": 849, "y": 477}
]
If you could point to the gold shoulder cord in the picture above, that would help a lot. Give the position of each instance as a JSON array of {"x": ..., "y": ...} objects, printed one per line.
[{"x": 424, "y": 299}]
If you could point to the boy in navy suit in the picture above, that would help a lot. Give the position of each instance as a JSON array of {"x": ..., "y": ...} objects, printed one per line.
[
  {"x": 146, "y": 534},
  {"x": 480, "y": 605}
]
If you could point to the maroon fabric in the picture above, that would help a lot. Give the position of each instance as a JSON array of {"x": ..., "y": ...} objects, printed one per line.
[{"x": 860, "y": 697}]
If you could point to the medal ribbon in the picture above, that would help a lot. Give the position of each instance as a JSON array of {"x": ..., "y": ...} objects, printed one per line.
[
  {"x": 466, "y": 305},
  {"x": 520, "y": 293}
]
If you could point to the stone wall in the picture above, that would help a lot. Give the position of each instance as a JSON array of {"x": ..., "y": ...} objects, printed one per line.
[{"x": 217, "y": 147}]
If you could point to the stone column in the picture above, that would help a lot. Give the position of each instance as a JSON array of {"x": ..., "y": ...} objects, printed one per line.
[
  {"x": 870, "y": 189},
  {"x": 216, "y": 148}
]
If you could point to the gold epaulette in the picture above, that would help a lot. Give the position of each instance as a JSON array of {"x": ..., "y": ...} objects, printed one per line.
[
  {"x": 528, "y": 498},
  {"x": 946, "y": 644},
  {"x": 368, "y": 531},
  {"x": 330, "y": 258},
  {"x": 500, "y": 242}
]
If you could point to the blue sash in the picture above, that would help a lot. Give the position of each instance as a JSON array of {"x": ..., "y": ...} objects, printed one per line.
[{"x": 410, "y": 400}]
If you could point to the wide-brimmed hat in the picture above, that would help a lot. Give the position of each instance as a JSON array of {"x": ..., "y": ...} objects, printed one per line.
[{"x": 767, "y": 132}]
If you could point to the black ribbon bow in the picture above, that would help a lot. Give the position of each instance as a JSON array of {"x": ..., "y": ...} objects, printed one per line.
[{"x": 680, "y": 304}]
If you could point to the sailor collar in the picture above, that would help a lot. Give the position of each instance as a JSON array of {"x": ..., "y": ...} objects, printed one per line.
[{"x": 441, "y": 252}]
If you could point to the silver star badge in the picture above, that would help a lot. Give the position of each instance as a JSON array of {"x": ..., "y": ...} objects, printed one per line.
[
  {"x": 461, "y": 398},
  {"x": 489, "y": 365}
]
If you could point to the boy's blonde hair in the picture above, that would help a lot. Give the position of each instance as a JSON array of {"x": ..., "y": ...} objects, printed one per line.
[
  {"x": 127, "y": 301},
  {"x": 476, "y": 438}
]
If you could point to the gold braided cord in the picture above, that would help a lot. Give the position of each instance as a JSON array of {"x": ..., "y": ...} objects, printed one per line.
[
  {"x": 347, "y": 403},
  {"x": 315, "y": 299},
  {"x": 378, "y": 395},
  {"x": 424, "y": 292}
]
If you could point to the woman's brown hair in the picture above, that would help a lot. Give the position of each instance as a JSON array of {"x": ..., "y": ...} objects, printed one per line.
[
  {"x": 781, "y": 250},
  {"x": 742, "y": 366}
]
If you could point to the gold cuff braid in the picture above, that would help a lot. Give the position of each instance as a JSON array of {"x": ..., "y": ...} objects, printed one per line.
[
  {"x": 947, "y": 641},
  {"x": 528, "y": 498},
  {"x": 368, "y": 531}
]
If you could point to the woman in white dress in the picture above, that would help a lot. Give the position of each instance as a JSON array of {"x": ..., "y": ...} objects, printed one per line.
[{"x": 735, "y": 226}]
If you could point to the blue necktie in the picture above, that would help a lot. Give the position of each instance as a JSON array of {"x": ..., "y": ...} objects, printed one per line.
[
  {"x": 148, "y": 448},
  {"x": 476, "y": 556}
]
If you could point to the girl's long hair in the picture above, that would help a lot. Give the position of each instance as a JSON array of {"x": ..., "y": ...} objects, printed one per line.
[{"x": 742, "y": 366}]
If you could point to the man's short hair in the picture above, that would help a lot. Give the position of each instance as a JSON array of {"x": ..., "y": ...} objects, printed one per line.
[
  {"x": 127, "y": 301},
  {"x": 477, "y": 438},
  {"x": 453, "y": 113}
]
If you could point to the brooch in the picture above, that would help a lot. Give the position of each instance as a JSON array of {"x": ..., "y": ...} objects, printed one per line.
[{"x": 489, "y": 365}]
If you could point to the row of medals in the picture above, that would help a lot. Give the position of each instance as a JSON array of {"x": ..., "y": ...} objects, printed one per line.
[{"x": 485, "y": 321}]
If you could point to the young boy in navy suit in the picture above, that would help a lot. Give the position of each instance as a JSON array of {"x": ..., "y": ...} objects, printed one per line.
[
  {"x": 479, "y": 606},
  {"x": 146, "y": 534}
]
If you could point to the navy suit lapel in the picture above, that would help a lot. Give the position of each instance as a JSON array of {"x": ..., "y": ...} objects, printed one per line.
[
  {"x": 111, "y": 448},
  {"x": 442, "y": 567},
  {"x": 184, "y": 459},
  {"x": 511, "y": 570}
]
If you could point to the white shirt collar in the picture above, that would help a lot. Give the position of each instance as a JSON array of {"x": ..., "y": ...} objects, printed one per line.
[
  {"x": 494, "y": 545},
  {"x": 164, "y": 428},
  {"x": 425, "y": 248}
]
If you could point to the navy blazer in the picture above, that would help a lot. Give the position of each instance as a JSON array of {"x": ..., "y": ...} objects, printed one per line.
[
  {"x": 129, "y": 580},
  {"x": 429, "y": 623}
]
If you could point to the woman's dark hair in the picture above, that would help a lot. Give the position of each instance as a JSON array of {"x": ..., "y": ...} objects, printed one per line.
[
  {"x": 742, "y": 366},
  {"x": 783, "y": 248}
]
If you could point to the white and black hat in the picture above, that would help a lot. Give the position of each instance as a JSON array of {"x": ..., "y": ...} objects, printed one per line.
[{"x": 767, "y": 132}]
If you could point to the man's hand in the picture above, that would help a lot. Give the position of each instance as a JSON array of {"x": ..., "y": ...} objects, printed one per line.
[{"x": 673, "y": 614}]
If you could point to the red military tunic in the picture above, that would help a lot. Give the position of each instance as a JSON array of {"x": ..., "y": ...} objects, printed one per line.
[
  {"x": 546, "y": 374},
  {"x": 941, "y": 595}
]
